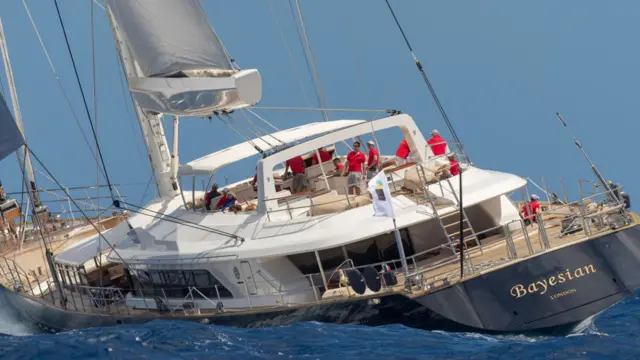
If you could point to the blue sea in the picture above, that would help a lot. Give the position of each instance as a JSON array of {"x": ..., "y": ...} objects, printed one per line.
[{"x": 613, "y": 335}]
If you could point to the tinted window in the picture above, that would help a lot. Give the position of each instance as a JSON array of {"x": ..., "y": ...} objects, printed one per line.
[{"x": 176, "y": 283}]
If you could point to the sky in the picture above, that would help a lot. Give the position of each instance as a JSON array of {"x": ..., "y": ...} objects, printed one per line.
[{"x": 501, "y": 69}]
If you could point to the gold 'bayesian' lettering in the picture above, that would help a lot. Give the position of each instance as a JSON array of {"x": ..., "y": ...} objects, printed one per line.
[{"x": 541, "y": 286}]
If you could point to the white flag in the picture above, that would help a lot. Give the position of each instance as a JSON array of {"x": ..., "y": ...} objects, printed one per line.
[{"x": 379, "y": 189}]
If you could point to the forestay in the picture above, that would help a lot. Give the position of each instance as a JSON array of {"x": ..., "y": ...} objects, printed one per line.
[
  {"x": 10, "y": 137},
  {"x": 167, "y": 37},
  {"x": 210, "y": 163}
]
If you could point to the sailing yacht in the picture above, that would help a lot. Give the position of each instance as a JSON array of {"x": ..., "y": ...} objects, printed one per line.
[{"x": 445, "y": 262}]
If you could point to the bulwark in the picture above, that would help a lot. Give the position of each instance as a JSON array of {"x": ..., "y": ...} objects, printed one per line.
[{"x": 541, "y": 286}]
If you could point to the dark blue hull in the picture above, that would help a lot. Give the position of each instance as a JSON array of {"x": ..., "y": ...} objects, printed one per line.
[{"x": 551, "y": 292}]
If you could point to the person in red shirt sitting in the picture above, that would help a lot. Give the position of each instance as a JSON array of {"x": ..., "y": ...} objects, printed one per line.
[
  {"x": 297, "y": 166},
  {"x": 437, "y": 144},
  {"x": 227, "y": 199},
  {"x": 338, "y": 166},
  {"x": 372, "y": 161},
  {"x": 454, "y": 167},
  {"x": 324, "y": 156},
  {"x": 534, "y": 206},
  {"x": 402, "y": 153},
  {"x": 355, "y": 166}
]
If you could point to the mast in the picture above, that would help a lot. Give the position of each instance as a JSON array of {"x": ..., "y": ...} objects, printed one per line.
[
  {"x": 18, "y": 119},
  {"x": 179, "y": 70}
]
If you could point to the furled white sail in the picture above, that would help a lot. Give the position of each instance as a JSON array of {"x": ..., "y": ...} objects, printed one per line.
[
  {"x": 176, "y": 63},
  {"x": 168, "y": 36},
  {"x": 10, "y": 137}
]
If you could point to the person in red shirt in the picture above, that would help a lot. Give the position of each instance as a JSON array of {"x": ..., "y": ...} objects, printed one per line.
[
  {"x": 454, "y": 167},
  {"x": 355, "y": 166},
  {"x": 338, "y": 166},
  {"x": 402, "y": 153},
  {"x": 437, "y": 144},
  {"x": 227, "y": 199},
  {"x": 296, "y": 164},
  {"x": 534, "y": 206},
  {"x": 373, "y": 160},
  {"x": 324, "y": 156}
]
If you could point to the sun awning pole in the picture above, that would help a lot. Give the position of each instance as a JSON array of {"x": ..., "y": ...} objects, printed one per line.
[
  {"x": 324, "y": 278},
  {"x": 324, "y": 176}
]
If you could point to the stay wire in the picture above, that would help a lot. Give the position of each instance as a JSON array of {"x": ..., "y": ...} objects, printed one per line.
[
  {"x": 100, "y": 234},
  {"x": 59, "y": 82},
  {"x": 84, "y": 99},
  {"x": 166, "y": 217},
  {"x": 426, "y": 80},
  {"x": 291, "y": 59},
  {"x": 323, "y": 101}
]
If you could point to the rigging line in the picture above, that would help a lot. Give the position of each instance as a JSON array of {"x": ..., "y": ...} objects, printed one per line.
[
  {"x": 286, "y": 45},
  {"x": 259, "y": 129},
  {"x": 84, "y": 99},
  {"x": 262, "y": 119},
  {"x": 323, "y": 101},
  {"x": 75, "y": 187},
  {"x": 241, "y": 134},
  {"x": 76, "y": 205},
  {"x": 255, "y": 134},
  {"x": 55, "y": 73},
  {"x": 95, "y": 119},
  {"x": 263, "y": 130},
  {"x": 426, "y": 80},
  {"x": 176, "y": 220},
  {"x": 146, "y": 190},
  {"x": 288, "y": 108},
  {"x": 304, "y": 52},
  {"x": 100, "y": 5}
]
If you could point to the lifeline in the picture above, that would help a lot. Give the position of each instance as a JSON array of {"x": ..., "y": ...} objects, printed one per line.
[{"x": 543, "y": 285}]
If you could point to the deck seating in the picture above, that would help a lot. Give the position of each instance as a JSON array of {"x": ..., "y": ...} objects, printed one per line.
[{"x": 329, "y": 204}]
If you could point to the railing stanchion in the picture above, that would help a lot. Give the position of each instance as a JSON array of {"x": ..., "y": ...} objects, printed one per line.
[{"x": 525, "y": 234}]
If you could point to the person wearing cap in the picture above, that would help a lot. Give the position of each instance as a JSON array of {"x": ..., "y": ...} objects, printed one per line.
[
  {"x": 226, "y": 200},
  {"x": 373, "y": 160},
  {"x": 436, "y": 143},
  {"x": 297, "y": 166},
  {"x": 532, "y": 205},
  {"x": 402, "y": 153},
  {"x": 324, "y": 156},
  {"x": 210, "y": 195},
  {"x": 355, "y": 167}
]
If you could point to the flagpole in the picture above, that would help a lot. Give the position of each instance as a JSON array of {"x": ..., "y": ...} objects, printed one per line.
[{"x": 403, "y": 259}]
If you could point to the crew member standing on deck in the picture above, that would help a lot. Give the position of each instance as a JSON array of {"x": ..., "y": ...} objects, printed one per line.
[
  {"x": 296, "y": 164},
  {"x": 532, "y": 205},
  {"x": 402, "y": 153},
  {"x": 355, "y": 166},
  {"x": 372, "y": 161},
  {"x": 436, "y": 143}
]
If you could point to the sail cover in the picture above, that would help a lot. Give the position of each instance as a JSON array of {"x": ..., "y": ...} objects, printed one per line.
[
  {"x": 168, "y": 36},
  {"x": 10, "y": 137}
]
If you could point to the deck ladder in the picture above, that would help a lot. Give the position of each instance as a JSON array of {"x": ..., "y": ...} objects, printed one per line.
[{"x": 450, "y": 230}]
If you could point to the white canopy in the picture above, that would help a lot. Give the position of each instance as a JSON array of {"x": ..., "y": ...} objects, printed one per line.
[{"x": 210, "y": 163}]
